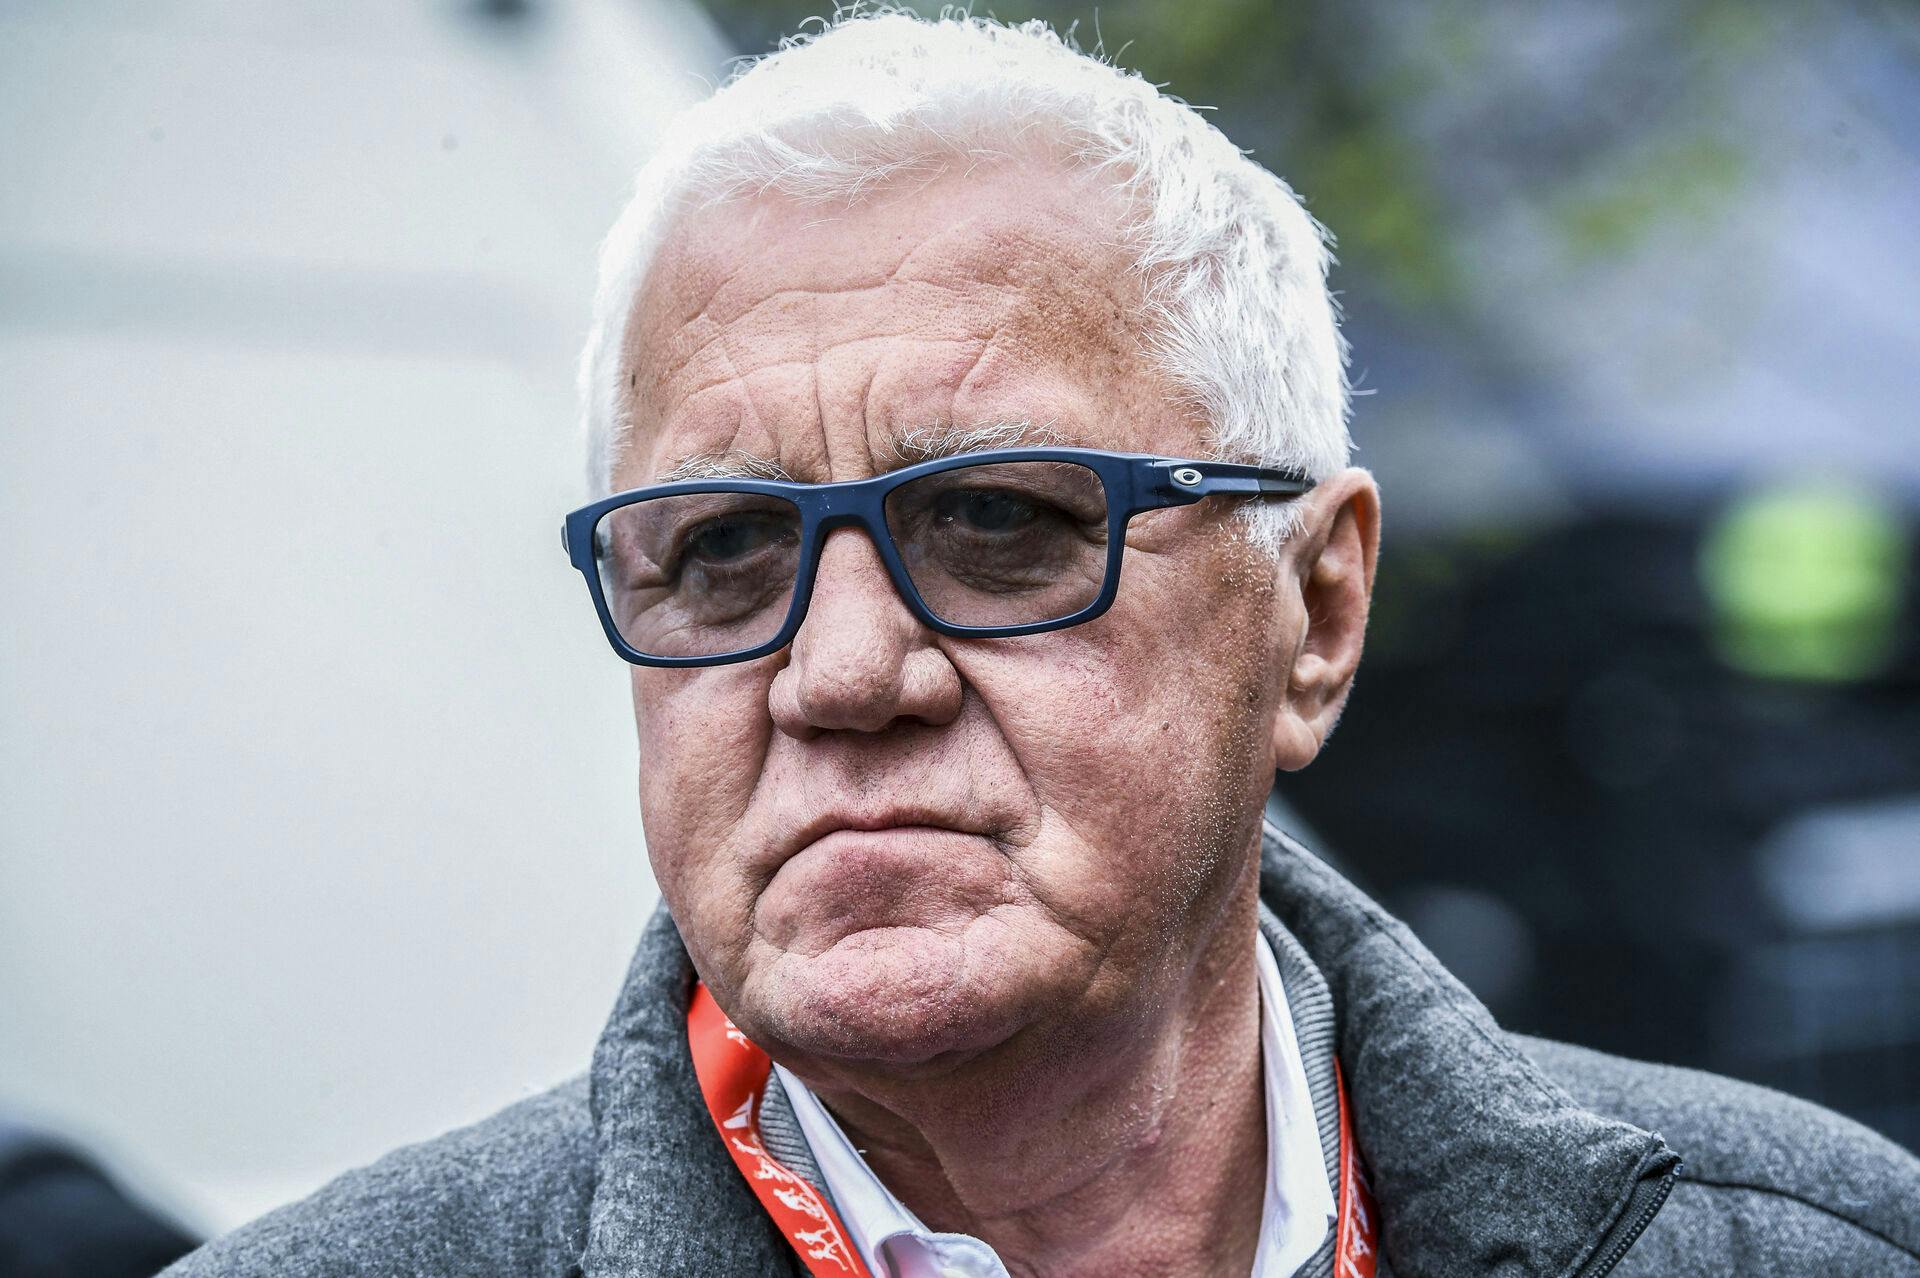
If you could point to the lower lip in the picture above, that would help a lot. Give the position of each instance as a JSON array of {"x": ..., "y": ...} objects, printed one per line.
[
  {"x": 891, "y": 843},
  {"x": 894, "y": 840}
]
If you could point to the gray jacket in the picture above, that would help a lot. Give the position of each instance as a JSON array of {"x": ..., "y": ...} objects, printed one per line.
[{"x": 1488, "y": 1153}]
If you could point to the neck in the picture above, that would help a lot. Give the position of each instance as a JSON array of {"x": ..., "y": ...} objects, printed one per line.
[{"x": 1047, "y": 1148}]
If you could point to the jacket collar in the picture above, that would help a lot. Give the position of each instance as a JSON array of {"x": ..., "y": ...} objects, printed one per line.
[
  {"x": 1479, "y": 1162},
  {"x": 666, "y": 1199}
]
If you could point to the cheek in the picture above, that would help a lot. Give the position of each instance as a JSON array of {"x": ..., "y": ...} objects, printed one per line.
[
  {"x": 1076, "y": 712},
  {"x": 1117, "y": 734},
  {"x": 702, "y": 743},
  {"x": 1148, "y": 695},
  {"x": 1144, "y": 735}
]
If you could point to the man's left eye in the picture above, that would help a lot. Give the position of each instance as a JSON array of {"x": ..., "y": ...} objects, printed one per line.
[{"x": 986, "y": 510}]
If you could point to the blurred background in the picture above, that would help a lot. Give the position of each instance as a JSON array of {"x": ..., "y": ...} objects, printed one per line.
[{"x": 317, "y": 830}]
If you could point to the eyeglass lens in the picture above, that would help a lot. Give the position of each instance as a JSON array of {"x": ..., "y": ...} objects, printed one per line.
[{"x": 999, "y": 544}]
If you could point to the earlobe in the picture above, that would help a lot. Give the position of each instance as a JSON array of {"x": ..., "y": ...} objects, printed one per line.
[
  {"x": 1294, "y": 745},
  {"x": 1333, "y": 568}
]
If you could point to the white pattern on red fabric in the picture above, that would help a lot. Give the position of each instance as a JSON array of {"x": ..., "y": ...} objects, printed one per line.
[{"x": 733, "y": 1075}]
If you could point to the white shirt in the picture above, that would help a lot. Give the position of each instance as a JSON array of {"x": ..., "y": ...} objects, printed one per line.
[{"x": 1297, "y": 1215}]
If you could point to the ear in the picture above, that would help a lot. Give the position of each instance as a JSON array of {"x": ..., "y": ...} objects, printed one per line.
[{"x": 1326, "y": 588}]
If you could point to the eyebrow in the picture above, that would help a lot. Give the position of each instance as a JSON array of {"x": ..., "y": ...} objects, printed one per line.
[
  {"x": 731, "y": 463},
  {"x": 931, "y": 442},
  {"x": 925, "y": 443}
]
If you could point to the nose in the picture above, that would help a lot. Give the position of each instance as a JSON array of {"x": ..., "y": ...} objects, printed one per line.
[{"x": 861, "y": 660}]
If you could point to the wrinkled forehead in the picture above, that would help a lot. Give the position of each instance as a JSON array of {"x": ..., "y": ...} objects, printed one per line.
[{"x": 829, "y": 342}]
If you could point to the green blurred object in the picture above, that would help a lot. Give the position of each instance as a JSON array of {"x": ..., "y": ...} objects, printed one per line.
[
  {"x": 1689, "y": 180},
  {"x": 1807, "y": 582}
]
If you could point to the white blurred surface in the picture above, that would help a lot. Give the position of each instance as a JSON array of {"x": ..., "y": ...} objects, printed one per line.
[{"x": 317, "y": 818}]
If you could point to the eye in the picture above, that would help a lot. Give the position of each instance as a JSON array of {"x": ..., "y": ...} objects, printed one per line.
[
  {"x": 985, "y": 510},
  {"x": 719, "y": 541}
]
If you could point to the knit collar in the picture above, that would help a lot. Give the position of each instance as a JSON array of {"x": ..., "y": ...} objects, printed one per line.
[{"x": 1480, "y": 1163}]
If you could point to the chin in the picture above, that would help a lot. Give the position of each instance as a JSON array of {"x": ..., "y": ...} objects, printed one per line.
[{"x": 896, "y": 996}]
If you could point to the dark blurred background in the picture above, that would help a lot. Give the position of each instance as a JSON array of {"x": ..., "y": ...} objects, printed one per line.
[
  {"x": 1631, "y": 290},
  {"x": 289, "y": 296}
]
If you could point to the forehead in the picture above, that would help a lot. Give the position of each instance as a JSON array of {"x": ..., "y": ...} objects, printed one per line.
[{"x": 818, "y": 337}]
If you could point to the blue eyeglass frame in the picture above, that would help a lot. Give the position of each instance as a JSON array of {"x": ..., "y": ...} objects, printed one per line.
[{"x": 1134, "y": 483}]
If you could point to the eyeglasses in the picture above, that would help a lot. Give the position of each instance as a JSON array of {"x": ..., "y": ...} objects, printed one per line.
[{"x": 983, "y": 545}]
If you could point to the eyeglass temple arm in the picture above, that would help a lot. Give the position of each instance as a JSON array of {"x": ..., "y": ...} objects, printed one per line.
[{"x": 1181, "y": 483}]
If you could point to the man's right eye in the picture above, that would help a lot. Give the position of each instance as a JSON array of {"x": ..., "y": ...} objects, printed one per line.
[{"x": 720, "y": 540}]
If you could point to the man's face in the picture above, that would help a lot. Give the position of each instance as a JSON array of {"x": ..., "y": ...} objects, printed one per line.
[{"x": 884, "y": 846}]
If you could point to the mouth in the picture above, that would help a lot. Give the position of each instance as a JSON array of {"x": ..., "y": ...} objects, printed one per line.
[
  {"x": 889, "y": 821},
  {"x": 879, "y": 874}
]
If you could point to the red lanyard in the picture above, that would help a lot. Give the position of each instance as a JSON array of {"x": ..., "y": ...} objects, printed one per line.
[
  {"x": 733, "y": 1079},
  {"x": 1356, "y": 1250}
]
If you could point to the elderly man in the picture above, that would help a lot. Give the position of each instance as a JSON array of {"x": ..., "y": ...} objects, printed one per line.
[{"x": 970, "y": 424}]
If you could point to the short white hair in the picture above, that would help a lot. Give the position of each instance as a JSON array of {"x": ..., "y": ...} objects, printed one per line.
[{"x": 1234, "y": 270}]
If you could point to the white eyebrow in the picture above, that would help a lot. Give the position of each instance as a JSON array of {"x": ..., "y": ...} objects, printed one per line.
[
  {"x": 929, "y": 442},
  {"x": 732, "y": 463},
  {"x": 923, "y": 443}
]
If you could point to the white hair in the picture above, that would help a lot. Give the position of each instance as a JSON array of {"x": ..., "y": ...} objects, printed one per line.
[{"x": 1239, "y": 319}]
